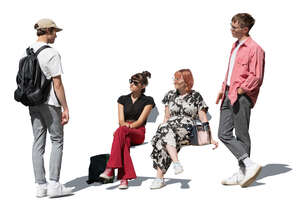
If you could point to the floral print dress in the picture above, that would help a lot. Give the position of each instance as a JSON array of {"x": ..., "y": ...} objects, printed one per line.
[{"x": 183, "y": 110}]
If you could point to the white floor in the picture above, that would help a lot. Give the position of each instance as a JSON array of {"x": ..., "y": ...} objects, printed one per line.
[
  {"x": 103, "y": 43},
  {"x": 200, "y": 181}
]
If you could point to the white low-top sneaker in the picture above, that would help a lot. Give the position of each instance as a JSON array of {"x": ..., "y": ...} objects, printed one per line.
[
  {"x": 251, "y": 173},
  {"x": 177, "y": 167},
  {"x": 41, "y": 190},
  {"x": 157, "y": 183},
  {"x": 235, "y": 179},
  {"x": 58, "y": 190}
]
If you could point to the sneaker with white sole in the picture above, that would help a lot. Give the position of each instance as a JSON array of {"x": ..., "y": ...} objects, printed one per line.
[
  {"x": 107, "y": 176},
  {"x": 123, "y": 185},
  {"x": 251, "y": 173},
  {"x": 157, "y": 183},
  {"x": 177, "y": 168},
  {"x": 58, "y": 190},
  {"x": 41, "y": 190},
  {"x": 235, "y": 179}
]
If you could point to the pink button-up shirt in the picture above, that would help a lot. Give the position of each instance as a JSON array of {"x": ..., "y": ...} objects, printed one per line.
[{"x": 248, "y": 71}]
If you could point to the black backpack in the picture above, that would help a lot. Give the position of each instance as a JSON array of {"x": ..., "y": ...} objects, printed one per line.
[{"x": 33, "y": 86}]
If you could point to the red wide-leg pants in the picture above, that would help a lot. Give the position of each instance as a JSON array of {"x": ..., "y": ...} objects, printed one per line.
[{"x": 120, "y": 158}]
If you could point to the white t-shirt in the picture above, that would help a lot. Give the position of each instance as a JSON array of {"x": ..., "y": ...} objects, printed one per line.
[
  {"x": 50, "y": 63},
  {"x": 232, "y": 61}
]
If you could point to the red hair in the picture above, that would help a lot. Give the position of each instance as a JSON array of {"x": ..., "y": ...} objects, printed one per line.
[{"x": 187, "y": 77}]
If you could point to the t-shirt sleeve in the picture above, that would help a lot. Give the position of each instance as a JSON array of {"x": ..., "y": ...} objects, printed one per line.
[
  {"x": 150, "y": 101},
  {"x": 200, "y": 103},
  {"x": 54, "y": 65},
  {"x": 166, "y": 98},
  {"x": 121, "y": 100}
]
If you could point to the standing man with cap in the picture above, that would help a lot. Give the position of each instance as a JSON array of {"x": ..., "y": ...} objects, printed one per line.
[
  {"x": 49, "y": 115},
  {"x": 238, "y": 95}
]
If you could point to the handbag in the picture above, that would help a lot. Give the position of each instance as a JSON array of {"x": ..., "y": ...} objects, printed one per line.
[
  {"x": 200, "y": 134},
  {"x": 97, "y": 166}
]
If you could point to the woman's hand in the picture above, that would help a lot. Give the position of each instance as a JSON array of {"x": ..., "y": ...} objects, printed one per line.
[
  {"x": 214, "y": 143},
  {"x": 125, "y": 124}
]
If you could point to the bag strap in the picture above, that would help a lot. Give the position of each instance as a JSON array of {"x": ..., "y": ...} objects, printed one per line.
[{"x": 41, "y": 49}]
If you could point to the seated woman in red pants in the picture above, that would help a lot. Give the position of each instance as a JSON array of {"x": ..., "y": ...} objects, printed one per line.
[{"x": 133, "y": 109}]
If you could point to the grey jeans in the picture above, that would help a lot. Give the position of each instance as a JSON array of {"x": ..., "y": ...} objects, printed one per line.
[
  {"x": 236, "y": 117},
  {"x": 45, "y": 117}
]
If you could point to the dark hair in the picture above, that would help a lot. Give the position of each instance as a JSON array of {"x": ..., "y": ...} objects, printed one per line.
[
  {"x": 43, "y": 31},
  {"x": 244, "y": 20},
  {"x": 142, "y": 78}
]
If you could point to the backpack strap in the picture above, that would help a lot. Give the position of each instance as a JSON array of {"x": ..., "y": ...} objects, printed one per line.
[{"x": 41, "y": 49}]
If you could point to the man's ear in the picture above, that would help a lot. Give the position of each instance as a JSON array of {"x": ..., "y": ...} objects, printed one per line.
[{"x": 246, "y": 30}]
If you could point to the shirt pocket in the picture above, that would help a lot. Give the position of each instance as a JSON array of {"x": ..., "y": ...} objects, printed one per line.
[{"x": 243, "y": 64}]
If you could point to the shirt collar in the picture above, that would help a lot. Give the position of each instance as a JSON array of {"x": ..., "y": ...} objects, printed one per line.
[
  {"x": 142, "y": 95},
  {"x": 246, "y": 43}
]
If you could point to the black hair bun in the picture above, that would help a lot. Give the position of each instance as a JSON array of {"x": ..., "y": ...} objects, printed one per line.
[
  {"x": 146, "y": 74},
  {"x": 36, "y": 26}
]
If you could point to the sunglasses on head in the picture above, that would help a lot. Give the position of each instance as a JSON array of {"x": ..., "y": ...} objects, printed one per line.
[{"x": 136, "y": 83}]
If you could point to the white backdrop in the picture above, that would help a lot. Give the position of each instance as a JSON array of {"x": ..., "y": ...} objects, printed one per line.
[{"x": 103, "y": 43}]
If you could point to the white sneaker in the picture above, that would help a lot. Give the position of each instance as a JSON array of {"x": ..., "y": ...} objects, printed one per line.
[
  {"x": 251, "y": 173},
  {"x": 41, "y": 190},
  {"x": 58, "y": 190},
  {"x": 235, "y": 179},
  {"x": 157, "y": 183},
  {"x": 177, "y": 167}
]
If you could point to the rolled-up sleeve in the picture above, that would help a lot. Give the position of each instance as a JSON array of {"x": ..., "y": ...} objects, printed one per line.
[{"x": 256, "y": 71}]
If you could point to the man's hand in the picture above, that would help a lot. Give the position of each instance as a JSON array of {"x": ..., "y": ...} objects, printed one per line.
[
  {"x": 240, "y": 91},
  {"x": 65, "y": 117},
  {"x": 220, "y": 95}
]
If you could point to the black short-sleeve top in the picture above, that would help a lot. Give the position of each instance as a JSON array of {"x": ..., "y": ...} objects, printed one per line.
[{"x": 132, "y": 111}]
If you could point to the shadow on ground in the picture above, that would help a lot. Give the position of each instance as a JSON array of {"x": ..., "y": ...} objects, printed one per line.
[
  {"x": 80, "y": 183},
  {"x": 271, "y": 170}
]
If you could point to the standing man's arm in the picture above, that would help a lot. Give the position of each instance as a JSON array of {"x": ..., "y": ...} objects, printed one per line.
[
  {"x": 256, "y": 72},
  {"x": 60, "y": 93}
]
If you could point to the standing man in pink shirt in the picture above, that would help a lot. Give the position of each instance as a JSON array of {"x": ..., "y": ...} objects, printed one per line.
[{"x": 238, "y": 95}]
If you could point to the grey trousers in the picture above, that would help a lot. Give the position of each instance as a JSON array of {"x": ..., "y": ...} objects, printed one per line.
[
  {"x": 45, "y": 117},
  {"x": 236, "y": 117}
]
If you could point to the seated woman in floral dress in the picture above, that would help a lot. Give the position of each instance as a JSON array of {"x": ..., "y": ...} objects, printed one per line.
[{"x": 182, "y": 106}]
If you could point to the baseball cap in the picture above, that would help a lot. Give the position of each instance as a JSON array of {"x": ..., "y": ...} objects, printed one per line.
[{"x": 46, "y": 23}]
